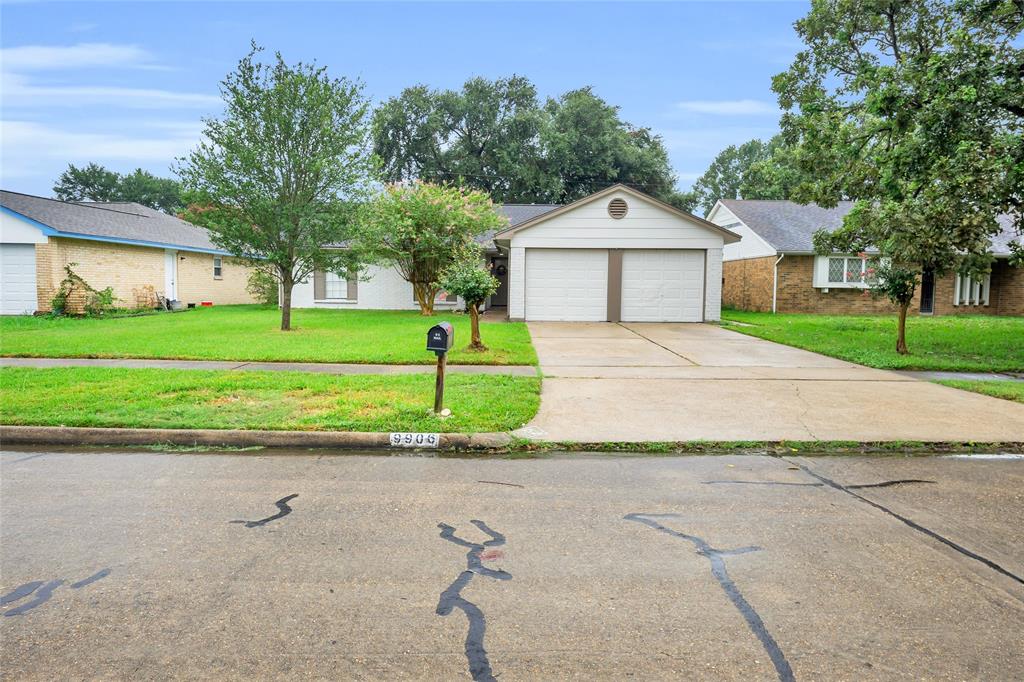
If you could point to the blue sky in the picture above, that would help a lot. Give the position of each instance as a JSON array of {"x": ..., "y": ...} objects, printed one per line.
[{"x": 125, "y": 84}]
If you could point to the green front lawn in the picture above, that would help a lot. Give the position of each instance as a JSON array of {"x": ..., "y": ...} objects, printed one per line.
[
  {"x": 1007, "y": 390},
  {"x": 248, "y": 332},
  {"x": 952, "y": 343},
  {"x": 186, "y": 399}
]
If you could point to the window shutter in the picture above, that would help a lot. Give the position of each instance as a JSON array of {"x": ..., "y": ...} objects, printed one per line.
[
  {"x": 319, "y": 285},
  {"x": 353, "y": 289}
]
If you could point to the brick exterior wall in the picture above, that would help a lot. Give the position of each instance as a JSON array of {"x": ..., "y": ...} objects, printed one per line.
[
  {"x": 1008, "y": 285},
  {"x": 747, "y": 283},
  {"x": 797, "y": 294},
  {"x": 125, "y": 268},
  {"x": 748, "y": 286},
  {"x": 1006, "y": 293},
  {"x": 196, "y": 282},
  {"x": 134, "y": 272}
]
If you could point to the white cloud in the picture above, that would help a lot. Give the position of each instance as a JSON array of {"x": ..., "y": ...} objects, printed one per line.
[
  {"x": 82, "y": 55},
  {"x": 729, "y": 107},
  {"x": 33, "y": 150},
  {"x": 19, "y": 91}
]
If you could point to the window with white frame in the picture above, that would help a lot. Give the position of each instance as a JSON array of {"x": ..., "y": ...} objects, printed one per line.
[
  {"x": 969, "y": 290},
  {"x": 218, "y": 267},
  {"x": 335, "y": 286},
  {"x": 846, "y": 270},
  {"x": 843, "y": 272}
]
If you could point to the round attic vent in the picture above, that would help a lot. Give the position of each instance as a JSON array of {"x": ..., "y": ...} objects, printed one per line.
[{"x": 617, "y": 208}]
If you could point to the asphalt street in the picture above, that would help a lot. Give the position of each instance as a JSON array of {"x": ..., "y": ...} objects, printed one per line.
[{"x": 122, "y": 565}]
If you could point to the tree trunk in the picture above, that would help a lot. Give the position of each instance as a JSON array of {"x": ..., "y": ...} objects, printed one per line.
[
  {"x": 901, "y": 334},
  {"x": 474, "y": 321},
  {"x": 425, "y": 296},
  {"x": 286, "y": 302}
]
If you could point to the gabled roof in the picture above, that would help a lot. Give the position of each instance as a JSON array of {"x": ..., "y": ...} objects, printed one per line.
[
  {"x": 120, "y": 222},
  {"x": 618, "y": 187},
  {"x": 789, "y": 227}
]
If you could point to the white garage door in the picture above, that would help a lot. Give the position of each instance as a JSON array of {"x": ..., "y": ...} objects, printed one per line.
[
  {"x": 567, "y": 284},
  {"x": 662, "y": 286},
  {"x": 17, "y": 279}
]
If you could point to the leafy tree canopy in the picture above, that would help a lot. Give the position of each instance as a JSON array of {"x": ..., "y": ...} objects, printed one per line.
[
  {"x": 94, "y": 182},
  {"x": 495, "y": 136},
  {"x": 421, "y": 228},
  {"x": 915, "y": 109},
  {"x": 752, "y": 170},
  {"x": 275, "y": 178}
]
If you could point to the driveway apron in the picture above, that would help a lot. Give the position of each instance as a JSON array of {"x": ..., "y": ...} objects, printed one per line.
[{"x": 684, "y": 382}]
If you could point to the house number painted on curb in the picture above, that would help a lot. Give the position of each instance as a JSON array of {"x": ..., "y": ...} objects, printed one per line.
[{"x": 415, "y": 440}]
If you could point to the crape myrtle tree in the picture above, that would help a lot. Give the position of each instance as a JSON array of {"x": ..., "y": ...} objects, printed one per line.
[
  {"x": 469, "y": 277},
  {"x": 420, "y": 229},
  {"x": 276, "y": 178},
  {"x": 915, "y": 109}
]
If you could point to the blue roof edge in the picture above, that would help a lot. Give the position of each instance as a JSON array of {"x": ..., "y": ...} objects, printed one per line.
[{"x": 53, "y": 232}]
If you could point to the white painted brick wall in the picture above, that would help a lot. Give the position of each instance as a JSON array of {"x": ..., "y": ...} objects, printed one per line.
[
  {"x": 713, "y": 295},
  {"x": 517, "y": 283}
]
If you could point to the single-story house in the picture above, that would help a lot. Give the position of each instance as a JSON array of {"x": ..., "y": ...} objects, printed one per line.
[
  {"x": 774, "y": 267},
  {"x": 616, "y": 255},
  {"x": 137, "y": 251}
]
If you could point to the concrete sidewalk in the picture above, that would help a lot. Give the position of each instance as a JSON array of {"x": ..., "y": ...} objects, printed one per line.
[
  {"x": 315, "y": 367},
  {"x": 682, "y": 382}
]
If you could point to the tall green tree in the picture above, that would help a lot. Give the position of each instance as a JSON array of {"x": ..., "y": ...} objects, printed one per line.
[
  {"x": 915, "y": 109},
  {"x": 752, "y": 170},
  {"x": 484, "y": 136},
  {"x": 496, "y": 137},
  {"x": 421, "y": 229},
  {"x": 275, "y": 178},
  {"x": 94, "y": 182},
  {"x": 586, "y": 147}
]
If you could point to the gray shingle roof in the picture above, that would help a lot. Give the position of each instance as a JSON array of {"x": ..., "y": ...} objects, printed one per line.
[
  {"x": 516, "y": 214},
  {"x": 118, "y": 221},
  {"x": 789, "y": 227},
  {"x": 137, "y": 223}
]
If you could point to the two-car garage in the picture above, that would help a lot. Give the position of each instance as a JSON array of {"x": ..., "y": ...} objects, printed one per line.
[
  {"x": 631, "y": 285},
  {"x": 617, "y": 255}
]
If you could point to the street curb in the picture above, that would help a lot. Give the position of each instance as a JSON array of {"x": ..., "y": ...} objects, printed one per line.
[{"x": 63, "y": 435}]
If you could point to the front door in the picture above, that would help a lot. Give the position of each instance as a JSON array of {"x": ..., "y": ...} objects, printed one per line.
[
  {"x": 171, "y": 275},
  {"x": 499, "y": 268},
  {"x": 927, "y": 292}
]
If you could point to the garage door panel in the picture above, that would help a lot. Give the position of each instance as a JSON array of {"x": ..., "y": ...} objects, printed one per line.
[
  {"x": 17, "y": 279},
  {"x": 664, "y": 285},
  {"x": 567, "y": 285}
]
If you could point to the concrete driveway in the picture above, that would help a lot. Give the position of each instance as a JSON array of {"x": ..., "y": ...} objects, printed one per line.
[{"x": 680, "y": 382}]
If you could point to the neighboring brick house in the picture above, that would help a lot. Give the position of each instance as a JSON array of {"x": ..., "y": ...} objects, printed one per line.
[
  {"x": 774, "y": 267},
  {"x": 137, "y": 251}
]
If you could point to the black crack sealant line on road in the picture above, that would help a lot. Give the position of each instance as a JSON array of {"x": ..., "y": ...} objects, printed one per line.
[
  {"x": 908, "y": 522},
  {"x": 717, "y": 559},
  {"x": 282, "y": 505},
  {"x": 42, "y": 592},
  {"x": 883, "y": 484},
  {"x": 451, "y": 598}
]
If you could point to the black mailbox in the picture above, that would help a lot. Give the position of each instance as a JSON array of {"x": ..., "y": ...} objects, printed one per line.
[{"x": 440, "y": 338}]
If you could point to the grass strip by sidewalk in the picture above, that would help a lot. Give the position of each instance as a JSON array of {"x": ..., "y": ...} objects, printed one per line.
[
  {"x": 975, "y": 343},
  {"x": 187, "y": 399},
  {"x": 1007, "y": 390},
  {"x": 251, "y": 333}
]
